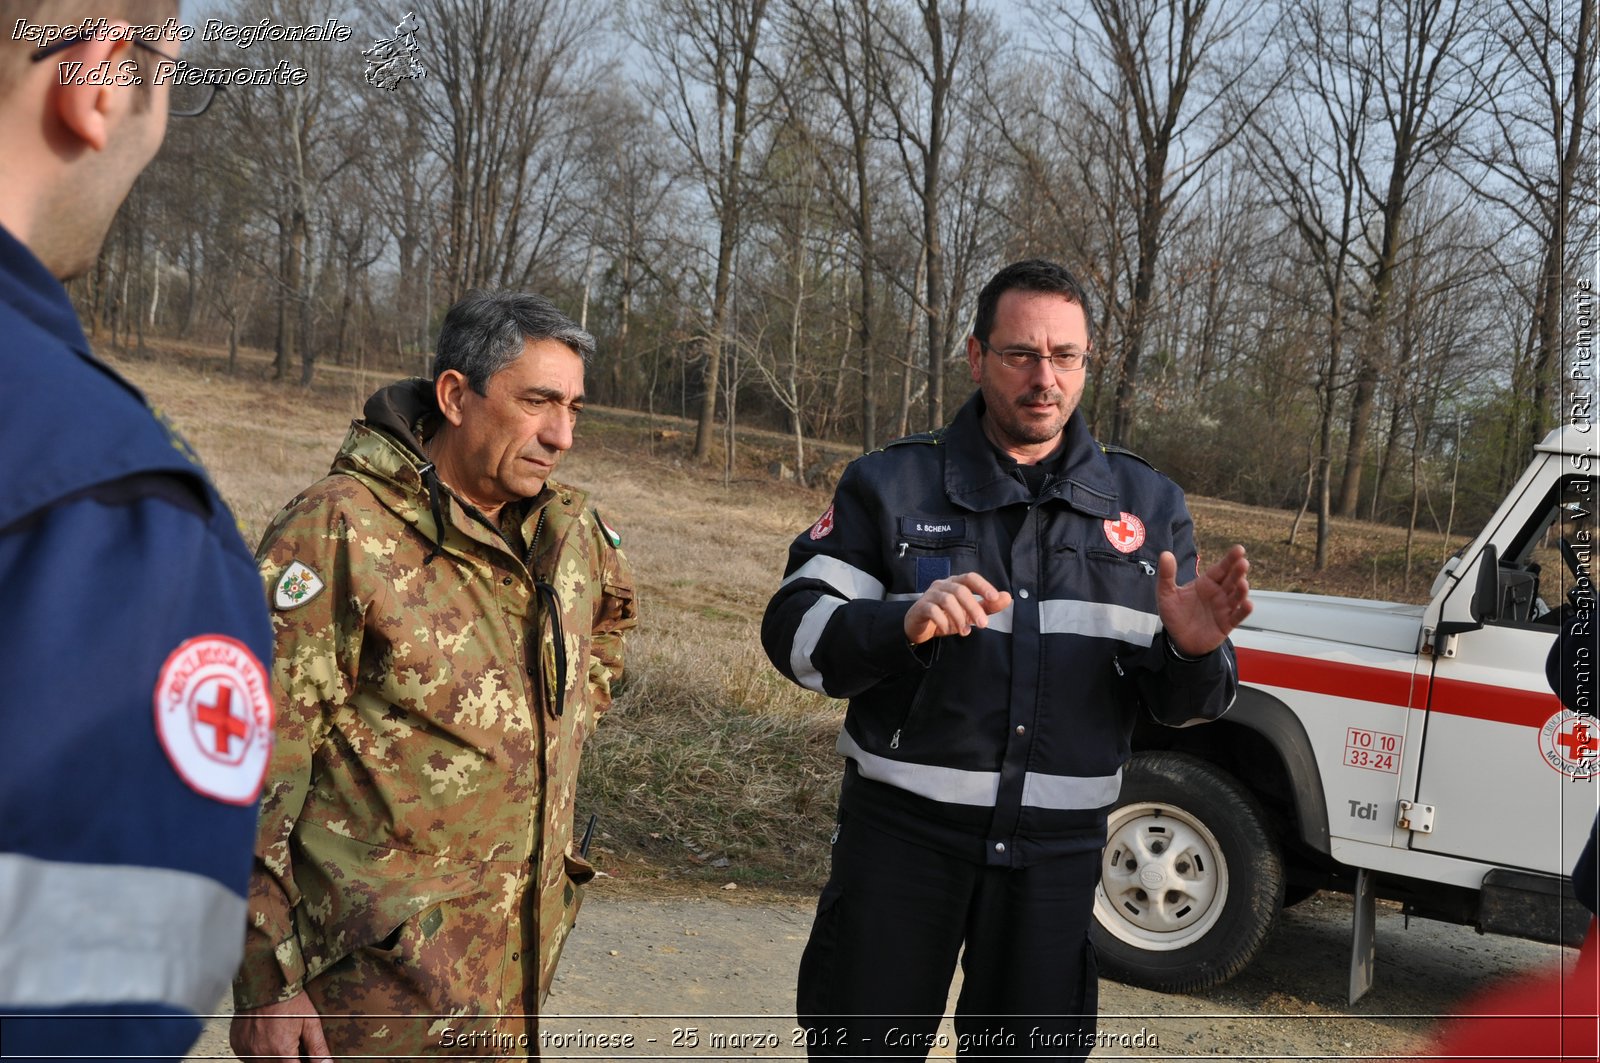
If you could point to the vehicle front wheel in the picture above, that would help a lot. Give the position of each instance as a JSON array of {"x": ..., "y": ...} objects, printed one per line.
[{"x": 1191, "y": 880}]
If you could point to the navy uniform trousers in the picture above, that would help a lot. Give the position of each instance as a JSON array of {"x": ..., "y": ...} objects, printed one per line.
[{"x": 890, "y": 925}]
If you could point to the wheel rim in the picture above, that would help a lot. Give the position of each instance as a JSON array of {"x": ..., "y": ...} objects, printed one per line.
[{"x": 1163, "y": 879}]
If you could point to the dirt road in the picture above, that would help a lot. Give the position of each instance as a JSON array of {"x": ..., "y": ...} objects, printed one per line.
[{"x": 713, "y": 977}]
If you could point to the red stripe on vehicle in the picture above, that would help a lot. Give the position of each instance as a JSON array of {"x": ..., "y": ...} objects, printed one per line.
[
  {"x": 1480, "y": 701},
  {"x": 1335, "y": 678},
  {"x": 1382, "y": 686}
]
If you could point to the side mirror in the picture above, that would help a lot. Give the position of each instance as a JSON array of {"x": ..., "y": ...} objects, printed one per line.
[{"x": 1485, "y": 606}]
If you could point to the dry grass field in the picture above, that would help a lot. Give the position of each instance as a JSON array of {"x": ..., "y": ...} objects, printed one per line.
[{"x": 712, "y": 767}]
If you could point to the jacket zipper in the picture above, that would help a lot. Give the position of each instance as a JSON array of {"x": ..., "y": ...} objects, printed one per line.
[
  {"x": 905, "y": 722},
  {"x": 530, "y": 900}
]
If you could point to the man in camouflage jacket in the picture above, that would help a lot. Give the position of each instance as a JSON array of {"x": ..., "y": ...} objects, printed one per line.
[{"x": 449, "y": 624}]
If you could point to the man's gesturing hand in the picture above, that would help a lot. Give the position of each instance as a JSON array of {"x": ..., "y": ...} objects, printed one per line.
[
  {"x": 952, "y": 606},
  {"x": 1199, "y": 615},
  {"x": 287, "y": 1031}
]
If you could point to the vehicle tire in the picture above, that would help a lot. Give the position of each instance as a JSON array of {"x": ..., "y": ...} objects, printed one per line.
[{"x": 1191, "y": 880}]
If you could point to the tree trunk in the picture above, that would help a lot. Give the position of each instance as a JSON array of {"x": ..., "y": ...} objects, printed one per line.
[
  {"x": 620, "y": 393},
  {"x": 1547, "y": 320},
  {"x": 1385, "y": 461},
  {"x": 1150, "y": 218},
  {"x": 732, "y": 182}
]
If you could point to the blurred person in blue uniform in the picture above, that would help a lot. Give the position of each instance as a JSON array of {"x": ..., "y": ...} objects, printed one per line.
[{"x": 135, "y": 714}]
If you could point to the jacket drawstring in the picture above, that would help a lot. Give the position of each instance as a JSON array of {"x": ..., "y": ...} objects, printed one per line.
[
  {"x": 552, "y": 602},
  {"x": 430, "y": 477}
]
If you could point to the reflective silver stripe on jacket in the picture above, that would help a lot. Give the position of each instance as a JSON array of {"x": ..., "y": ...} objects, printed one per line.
[
  {"x": 74, "y": 934},
  {"x": 1070, "y": 791},
  {"x": 845, "y": 578},
  {"x": 1068, "y": 616},
  {"x": 806, "y": 637},
  {"x": 848, "y": 582},
  {"x": 957, "y": 786},
  {"x": 1065, "y": 617}
]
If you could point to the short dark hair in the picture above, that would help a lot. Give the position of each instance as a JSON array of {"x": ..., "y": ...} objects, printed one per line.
[
  {"x": 1029, "y": 275},
  {"x": 15, "y": 52},
  {"x": 485, "y": 332}
]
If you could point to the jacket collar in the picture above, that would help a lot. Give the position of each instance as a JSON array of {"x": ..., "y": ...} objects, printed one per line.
[
  {"x": 27, "y": 286},
  {"x": 405, "y": 410},
  {"x": 30, "y": 290},
  {"x": 976, "y": 479}
]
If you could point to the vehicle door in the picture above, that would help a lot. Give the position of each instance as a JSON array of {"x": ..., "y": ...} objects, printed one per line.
[{"x": 1510, "y": 773}]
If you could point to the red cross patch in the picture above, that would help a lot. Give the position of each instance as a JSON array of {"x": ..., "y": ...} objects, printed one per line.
[
  {"x": 1125, "y": 533},
  {"x": 214, "y": 717},
  {"x": 824, "y": 524}
]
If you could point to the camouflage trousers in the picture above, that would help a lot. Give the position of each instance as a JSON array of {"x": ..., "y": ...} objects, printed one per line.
[{"x": 449, "y": 982}]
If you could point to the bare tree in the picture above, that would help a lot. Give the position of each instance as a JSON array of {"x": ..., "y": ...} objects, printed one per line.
[
  {"x": 1306, "y": 151},
  {"x": 790, "y": 212},
  {"x": 838, "y": 41},
  {"x": 1419, "y": 56},
  {"x": 705, "y": 56},
  {"x": 632, "y": 194},
  {"x": 406, "y": 178},
  {"x": 306, "y": 135},
  {"x": 921, "y": 50},
  {"x": 1155, "y": 55},
  {"x": 1065, "y": 198},
  {"x": 1539, "y": 102},
  {"x": 500, "y": 78}
]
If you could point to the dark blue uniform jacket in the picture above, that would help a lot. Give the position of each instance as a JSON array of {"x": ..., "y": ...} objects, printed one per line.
[
  {"x": 1004, "y": 746},
  {"x": 121, "y": 886}
]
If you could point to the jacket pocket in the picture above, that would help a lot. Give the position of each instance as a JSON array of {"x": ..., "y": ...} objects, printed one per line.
[
  {"x": 558, "y": 906},
  {"x": 404, "y": 939},
  {"x": 355, "y": 894},
  {"x": 919, "y": 562},
  {"x": 1121, "y": 579},
  {"x": 616, "y": 602}
]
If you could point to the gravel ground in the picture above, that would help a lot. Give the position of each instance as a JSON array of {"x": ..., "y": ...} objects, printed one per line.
[{"x": 712, "y": 977}]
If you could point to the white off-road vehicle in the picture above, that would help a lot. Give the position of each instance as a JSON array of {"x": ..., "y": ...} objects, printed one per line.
[{"x": 1408, "y": 752}]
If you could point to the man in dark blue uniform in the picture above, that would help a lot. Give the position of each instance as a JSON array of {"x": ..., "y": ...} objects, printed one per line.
[
  {"x": 997, "y": 599},
  {"x": 135, "y": 715}
]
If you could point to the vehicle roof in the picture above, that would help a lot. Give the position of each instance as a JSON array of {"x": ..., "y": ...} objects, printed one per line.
[{"x": 1572, "y": 439}]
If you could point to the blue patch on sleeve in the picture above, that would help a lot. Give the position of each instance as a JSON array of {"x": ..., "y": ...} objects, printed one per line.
[{"x": 930, "y": 569}]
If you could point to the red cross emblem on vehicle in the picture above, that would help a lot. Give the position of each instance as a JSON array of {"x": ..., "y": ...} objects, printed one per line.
[
  {"x": 1570, "y": 743},
  {"x": 1580, "y": 742},
  {"x": 1126, "y": 533}
]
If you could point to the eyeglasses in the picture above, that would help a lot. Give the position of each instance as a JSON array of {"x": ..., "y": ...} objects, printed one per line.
[
  {"x": 1022, "y": 358},
  {"x": 184, "y": 100}
]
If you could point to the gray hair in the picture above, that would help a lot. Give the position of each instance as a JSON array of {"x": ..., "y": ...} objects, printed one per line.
[{"x": 486, "y": 331}]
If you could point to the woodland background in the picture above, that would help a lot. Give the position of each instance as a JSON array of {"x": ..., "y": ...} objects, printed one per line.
[{"x": 1335, "y": 248}]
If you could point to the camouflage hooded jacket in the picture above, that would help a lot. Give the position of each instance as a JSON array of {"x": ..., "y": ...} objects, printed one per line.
[{"x": 429, "y": 723}]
